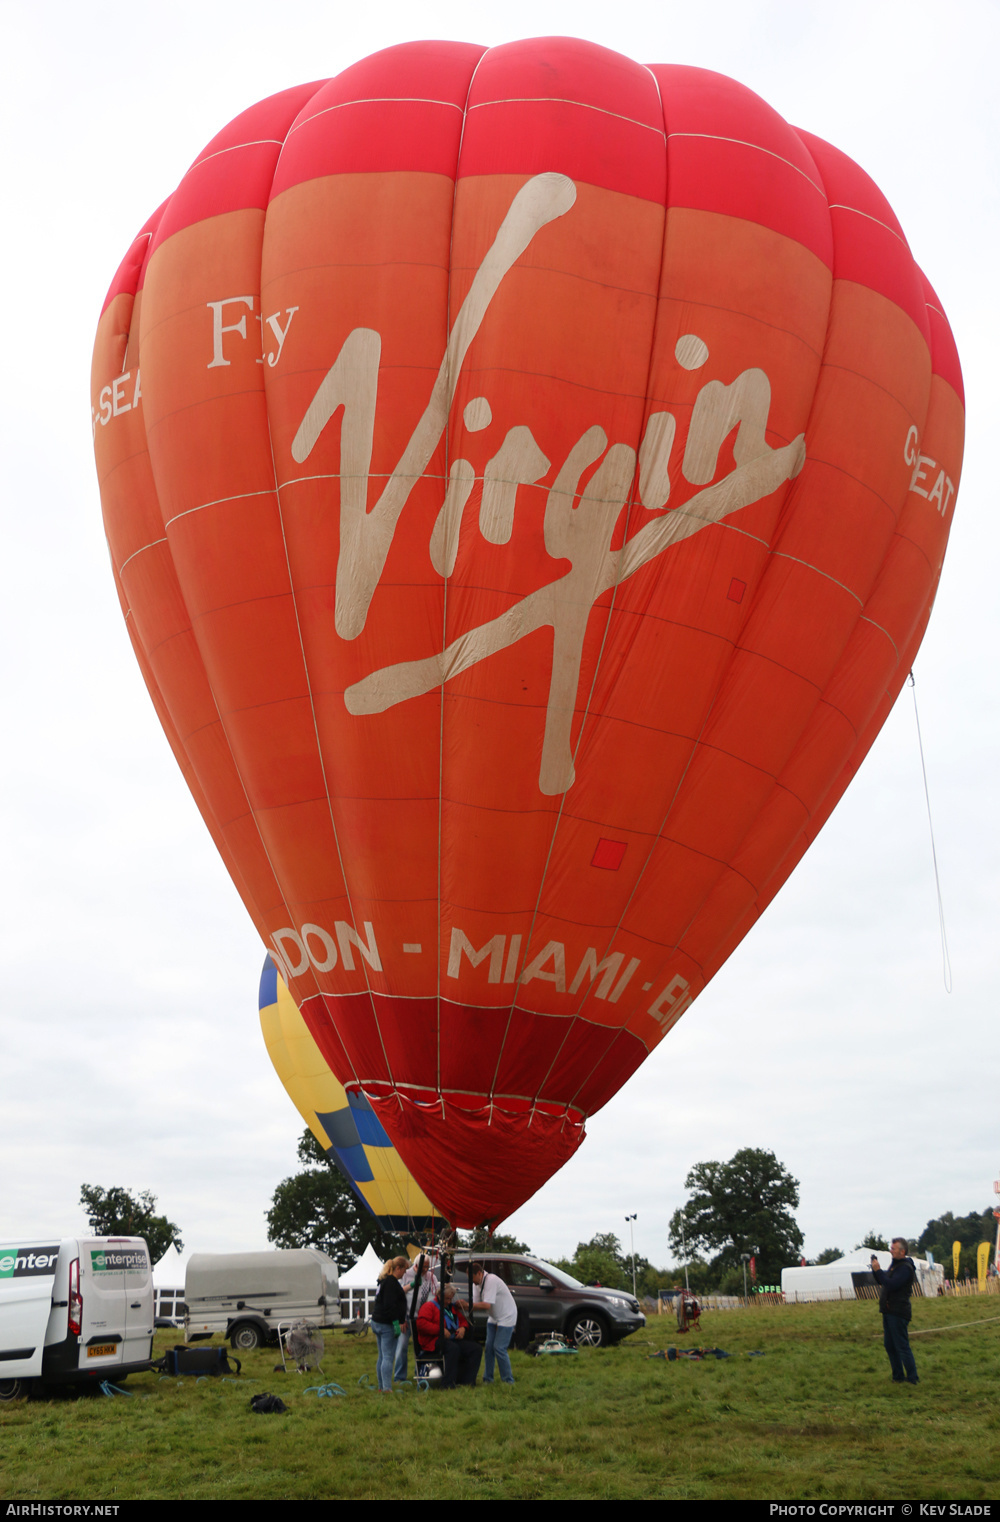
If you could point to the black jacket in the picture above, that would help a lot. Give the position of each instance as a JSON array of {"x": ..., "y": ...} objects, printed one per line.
[
  {"x": 897, "y": 1286},
  {"x": 390, "y": 1302}
]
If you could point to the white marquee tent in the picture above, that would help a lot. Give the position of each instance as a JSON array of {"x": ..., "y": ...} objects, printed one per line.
[
  {"x": 168, "y": 1285},
  {"x": 358, "y": 1285}
]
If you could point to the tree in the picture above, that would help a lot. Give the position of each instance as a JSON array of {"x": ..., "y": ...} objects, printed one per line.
[
  {"x": 938, "y": 1235},
  {"x": 649, "y": 1280},
  {"x": 481, "y": 1241},
  {"x": 601, "y": 1261},
  {"x": 116, "y": 1213},
  {"x": 318, "y": 1208},
  {"x": 700, "y": 1277},
  {"x": 829, "y": 1255},
  {"x": 874, "y": 1241},
  {"x": 743, "y": 1206}
]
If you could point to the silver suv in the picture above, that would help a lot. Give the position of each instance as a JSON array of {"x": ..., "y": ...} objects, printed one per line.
[{"x": 550, "y": 1300}]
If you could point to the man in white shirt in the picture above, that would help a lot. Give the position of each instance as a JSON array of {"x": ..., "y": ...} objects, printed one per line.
[{"x": 495, "y": 1297}]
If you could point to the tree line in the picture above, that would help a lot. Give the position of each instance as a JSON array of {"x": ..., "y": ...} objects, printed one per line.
[
  {"x": 939, "y": 1236},
  {"x": 740, "y": 1206},
  {"x": 736, "y": 1211}
]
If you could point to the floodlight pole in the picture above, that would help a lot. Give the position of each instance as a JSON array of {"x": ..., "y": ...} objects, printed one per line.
[
  {"x": 685, "y": 1252},
  {"x": 630, "y": 1219}
]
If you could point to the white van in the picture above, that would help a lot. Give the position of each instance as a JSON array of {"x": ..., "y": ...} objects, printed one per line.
[
  {"x": 247, "y": 1296},
  {"x": 73, "y": 1310}
]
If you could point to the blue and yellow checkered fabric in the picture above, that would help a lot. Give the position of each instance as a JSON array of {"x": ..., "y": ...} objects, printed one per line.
[{"x": 344, "y": 1124}]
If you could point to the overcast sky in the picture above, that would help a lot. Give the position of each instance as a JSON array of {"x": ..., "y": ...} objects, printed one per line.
[{"x": 130, "y": 1046}]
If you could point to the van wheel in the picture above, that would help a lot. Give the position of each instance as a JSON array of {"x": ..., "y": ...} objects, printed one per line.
[
  {"x": 14, "y": 1389},
  {"x": 246, "y": 1337}
]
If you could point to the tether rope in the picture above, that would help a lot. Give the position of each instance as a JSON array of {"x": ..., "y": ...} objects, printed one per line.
[
  {"x": 926, "y": 1331},
  {"x": 945, "y": 959}
]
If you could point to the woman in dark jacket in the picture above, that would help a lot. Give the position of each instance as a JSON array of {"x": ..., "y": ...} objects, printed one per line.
[{"x": 389, "y": 1317}]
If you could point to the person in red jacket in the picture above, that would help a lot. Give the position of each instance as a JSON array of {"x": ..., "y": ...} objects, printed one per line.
[{"x": 449, "y": 1337}]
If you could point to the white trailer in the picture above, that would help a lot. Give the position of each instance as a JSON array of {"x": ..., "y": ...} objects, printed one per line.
[
  {"x": 841, "y": 1279},
  {"x": 73, "y": 1310},
  {"x": 247, "y": 1296}
]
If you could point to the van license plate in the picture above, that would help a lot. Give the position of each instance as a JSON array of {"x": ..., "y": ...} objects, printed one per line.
[{"x": 102, "y": 1350}]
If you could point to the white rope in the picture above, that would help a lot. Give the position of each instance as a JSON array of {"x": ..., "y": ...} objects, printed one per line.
[
  {"x": 945, "y": 959},
  {"x": 926, "y": 1331}
]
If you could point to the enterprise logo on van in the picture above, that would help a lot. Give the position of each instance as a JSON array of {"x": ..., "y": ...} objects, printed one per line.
[
  {"x": 110, "y": 1260},
  {"x": 26, "y": 1262}
]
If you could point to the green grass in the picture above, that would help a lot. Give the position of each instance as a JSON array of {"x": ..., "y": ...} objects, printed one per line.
[{"x": 816, "y": 1418}]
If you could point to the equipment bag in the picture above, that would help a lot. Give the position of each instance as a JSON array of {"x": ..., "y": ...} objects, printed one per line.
[{"x": 184, "y": 1360}]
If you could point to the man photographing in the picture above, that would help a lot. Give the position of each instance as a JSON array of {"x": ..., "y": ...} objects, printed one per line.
[
  {"x": 894, "y": 1303},
  {"x": 495, "y": 1297}
]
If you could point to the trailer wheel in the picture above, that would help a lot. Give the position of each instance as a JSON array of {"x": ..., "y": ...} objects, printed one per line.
[
  {"x": 246, "y": 1337},
  {"x": 14, "y": 1389}
]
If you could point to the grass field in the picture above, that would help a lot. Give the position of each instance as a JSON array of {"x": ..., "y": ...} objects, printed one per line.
[{"x": 816, "y": 1418}]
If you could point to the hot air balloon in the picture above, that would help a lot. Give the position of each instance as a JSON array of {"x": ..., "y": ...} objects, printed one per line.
[
  {"x": 527, "y": 476},
  {"x": 343, "y": 1124}
]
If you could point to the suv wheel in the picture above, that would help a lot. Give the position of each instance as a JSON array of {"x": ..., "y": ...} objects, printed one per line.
[{"x": 588, "y": 1330}]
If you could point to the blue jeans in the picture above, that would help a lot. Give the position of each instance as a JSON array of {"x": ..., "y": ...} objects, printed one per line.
[
  {"x": 387, "y": 1341},
  {"x": 896, "y": 1338},
  {"x": 399, "y": 1367},
  {"x": 497, "y": 1343}
]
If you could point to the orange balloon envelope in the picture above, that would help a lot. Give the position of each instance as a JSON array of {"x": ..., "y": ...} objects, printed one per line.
[{"x": 527, "y": 476}]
